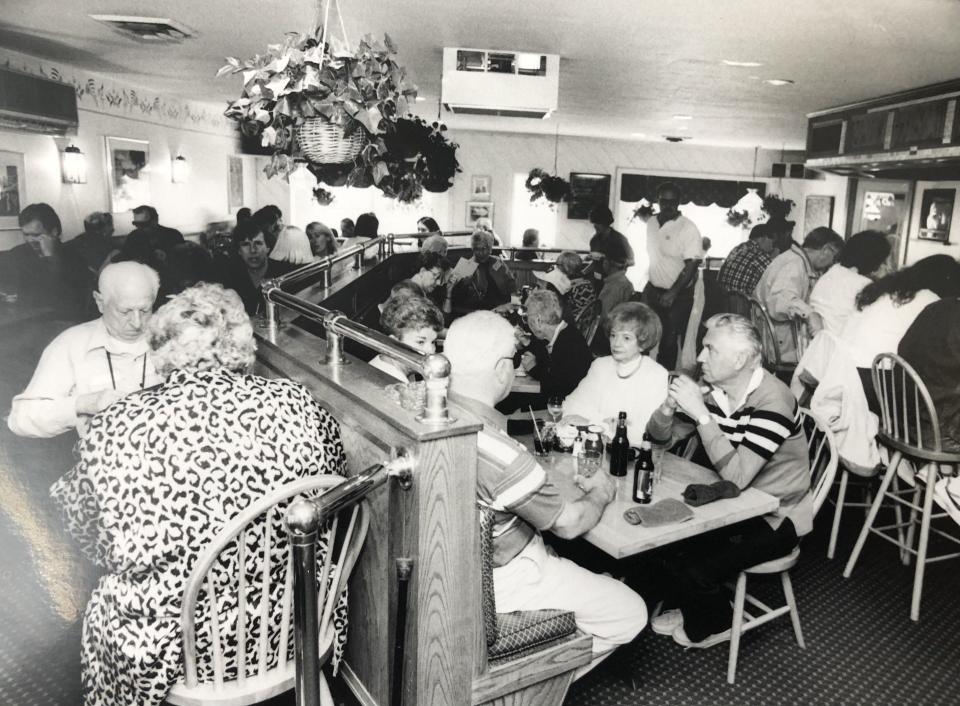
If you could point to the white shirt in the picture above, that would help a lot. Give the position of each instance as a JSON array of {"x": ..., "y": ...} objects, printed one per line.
[
  {"x": 602, "y": 394},
  {"x": 668, "y": 245},
  {"x": 880, "y": 326},
  {"x": 834, "y": 296},
  {"x": 82, "y": 359}
]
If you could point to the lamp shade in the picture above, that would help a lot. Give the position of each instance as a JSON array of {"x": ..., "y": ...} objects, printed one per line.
[
  {"x": 73, "y": 164},
  {"x": 180, "y": 170}
]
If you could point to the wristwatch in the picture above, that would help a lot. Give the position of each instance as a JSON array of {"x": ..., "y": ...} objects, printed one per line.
[{"x": 704, "y": 419}]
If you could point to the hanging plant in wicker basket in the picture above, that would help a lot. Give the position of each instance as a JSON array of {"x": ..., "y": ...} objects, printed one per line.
[
  {"x": 776, "y": 207},
  {"x": 543, "y": 185}
]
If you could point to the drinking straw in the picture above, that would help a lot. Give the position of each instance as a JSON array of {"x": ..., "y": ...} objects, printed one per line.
[{"x": 536, "y": 429}]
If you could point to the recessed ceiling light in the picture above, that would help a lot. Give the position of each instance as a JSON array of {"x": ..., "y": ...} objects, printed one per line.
[
  {"x": 778, "y": 81},
  {"x": 638, "y": 134},
  {"x": 421, "y": 99},
  {"x": 745, "y": 64},
  {"x": 683, "y": 117}
]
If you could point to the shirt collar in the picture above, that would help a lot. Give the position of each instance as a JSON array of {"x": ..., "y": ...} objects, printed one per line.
[
  {"x": 720, "y": 397},
  {"x": 806, "y": 260},
  {"x": 101, "y": 338},
  {"x": 488, "y": 414},
  {"x": 664, "y": 222}
]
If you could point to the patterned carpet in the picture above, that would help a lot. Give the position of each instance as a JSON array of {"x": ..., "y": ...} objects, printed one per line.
[{"x": 862, "y": 647}]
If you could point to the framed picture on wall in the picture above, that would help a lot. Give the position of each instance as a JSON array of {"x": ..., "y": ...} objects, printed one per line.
[
  {"x": 477, "y": 210},
  {"x": 11, "y": 189},
  {"x": 936, "y": 214},
  {"x": 128, "y": 173},
  {"x": 586, "y": 192},
  {"x": 234, "y": 182},
  {"x": 818, "y": 211},
  {"x": 480, "y": 187}
]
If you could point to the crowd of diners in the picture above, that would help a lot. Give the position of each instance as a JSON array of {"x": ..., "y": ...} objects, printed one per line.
[{"x": 177, "y": 436}]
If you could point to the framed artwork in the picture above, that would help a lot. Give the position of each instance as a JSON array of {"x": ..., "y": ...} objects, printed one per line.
[
  {"x": 128, "y": 173},
  {"x": 818, "y": 211},
  {"x": 587, "y": 191},
  {"x": 477, "y": 210},
  {"x": 12, "y": 197},
  {"x": 234, "y": 182},
  {"x": 936, "y": 213},
  {"x": 479, "y": 187}
]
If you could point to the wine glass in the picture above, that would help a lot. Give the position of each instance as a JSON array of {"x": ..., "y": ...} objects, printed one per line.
[{"x": 555, "y": 408}]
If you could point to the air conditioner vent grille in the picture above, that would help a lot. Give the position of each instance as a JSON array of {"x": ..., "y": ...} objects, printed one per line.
[{"x": 155, "y": 30}]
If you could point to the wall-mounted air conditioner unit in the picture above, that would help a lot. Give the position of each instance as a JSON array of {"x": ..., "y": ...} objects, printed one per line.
[
  {"x": 511, "y": 84},
  {"x": 29, "y": 103}
]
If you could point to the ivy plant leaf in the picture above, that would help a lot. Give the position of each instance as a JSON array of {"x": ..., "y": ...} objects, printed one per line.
[
  {"x": 380, "y": 172},
  {"x": 269, "y": 137},
  {"x": 391, "y": 47},
  {"x": 277, "y": 84},
  {"x": 262, "y": 116},
  {"x": 313, "y": 56}
]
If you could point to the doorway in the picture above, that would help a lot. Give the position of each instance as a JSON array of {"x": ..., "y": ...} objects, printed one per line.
[{"x": 884, "y": 205}]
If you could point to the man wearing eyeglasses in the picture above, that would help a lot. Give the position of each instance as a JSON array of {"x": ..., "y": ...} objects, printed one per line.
[
  {"x": 675, "y": 249},
  {"x": 526, "y": 575}
]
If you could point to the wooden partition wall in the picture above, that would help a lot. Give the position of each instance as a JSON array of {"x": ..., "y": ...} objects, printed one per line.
[{"x": 434, "y": 524}]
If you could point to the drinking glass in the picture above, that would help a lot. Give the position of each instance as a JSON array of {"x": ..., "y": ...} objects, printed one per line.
[{"x": 555, "y": 408}]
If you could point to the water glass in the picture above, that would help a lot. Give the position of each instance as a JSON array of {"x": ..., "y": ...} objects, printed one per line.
[
  {"x": 555, "y": 408},
  {"x": 589, "y": 462}
]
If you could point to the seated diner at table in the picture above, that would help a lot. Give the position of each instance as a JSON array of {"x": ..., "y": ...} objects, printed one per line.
[
  {"x": 162, "y": 471},
  {"x": 628, "y": 380},
  {"x": 481, "y": 281},
  {"x": 558, "y": 356},
  {"x": 527, "y": 575},
  {"x": 748, "y": 426},
  {"x": 413, "y": 320}
]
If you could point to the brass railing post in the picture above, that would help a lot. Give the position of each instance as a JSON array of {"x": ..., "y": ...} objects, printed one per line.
[
  {"x": 436, "y": 373},
  {"x": 303, "y": 520},
  {"x": 334, "y": 355}
]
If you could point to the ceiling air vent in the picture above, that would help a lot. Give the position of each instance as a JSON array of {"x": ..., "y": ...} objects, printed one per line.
[
  {"x": 673, "y": 138},
  {"x": 155, "y": 30}
]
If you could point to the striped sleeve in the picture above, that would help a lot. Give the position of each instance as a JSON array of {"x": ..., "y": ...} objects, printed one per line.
[
  {"x": 767, "y": 430},
  {"x": 514, "y": 482}
]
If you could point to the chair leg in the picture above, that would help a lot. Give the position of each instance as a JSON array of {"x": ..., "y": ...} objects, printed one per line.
[
  {"x": 326, "y": 698},
  {"x": 898, "y": 513},
  {"x": 924, "y": 538},
  {"x": 911, "y": 530},
  {"x": 737, "y": 628},
  {"x": 872, "y": 515},
  {"x": 792, "y": 602},
  {"x": 841, "y": 495}
]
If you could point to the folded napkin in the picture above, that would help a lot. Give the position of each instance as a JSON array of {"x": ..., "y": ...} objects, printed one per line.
[
  {"x": 662, "y": 512},
  {"x": 697, "y": 494}
]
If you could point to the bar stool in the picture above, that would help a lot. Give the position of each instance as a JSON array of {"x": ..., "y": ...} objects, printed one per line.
[{"x": 910, "y": 431}]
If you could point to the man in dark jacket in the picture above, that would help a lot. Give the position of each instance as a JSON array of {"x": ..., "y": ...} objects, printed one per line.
[
  {"x": 149, "y": 242},
  {"x": 558, "y": 356}
]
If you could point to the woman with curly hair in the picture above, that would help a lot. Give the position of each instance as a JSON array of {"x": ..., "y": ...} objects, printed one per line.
[
  {"x": 413, "y": 320},
  {"x": 162, "y": 471}
]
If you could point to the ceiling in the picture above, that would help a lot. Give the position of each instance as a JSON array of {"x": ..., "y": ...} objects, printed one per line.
[{"x": 627, "y": 66}]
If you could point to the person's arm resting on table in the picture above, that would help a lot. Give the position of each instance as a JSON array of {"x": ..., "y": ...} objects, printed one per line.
[{"x": 583, "y": 514}]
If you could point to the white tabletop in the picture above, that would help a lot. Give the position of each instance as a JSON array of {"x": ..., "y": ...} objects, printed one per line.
[{"x": 618, "y": 538}]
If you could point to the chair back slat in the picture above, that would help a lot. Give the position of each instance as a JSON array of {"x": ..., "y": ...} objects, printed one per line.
[
  {"x": 285, "y": 612},
  {"x": 327, "y": 606},
  {"x": 265, "y": 599},
  {"x": 908, "y": 416},
  {"x": 768, "y": 337},
  {"x": 215, "y": 633},
  {"x": 822, "y": 452},
  {"x": 242, "y": 608}
]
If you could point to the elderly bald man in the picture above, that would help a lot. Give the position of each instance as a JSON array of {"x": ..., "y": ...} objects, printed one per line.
[
  {"x": 526, "y": 575},
  {"x": 89, "y": 366}
]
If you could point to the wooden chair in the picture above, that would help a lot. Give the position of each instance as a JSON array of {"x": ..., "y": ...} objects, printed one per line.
[
  {"x": 589, "y": 321},
  {"x": 772, "y": 358},
  {"x": 822, "y": 452},
  {"x": 532, "y": 656},
  {"x": 232, "y": 685},
  {"x": 910, "y": 431}
]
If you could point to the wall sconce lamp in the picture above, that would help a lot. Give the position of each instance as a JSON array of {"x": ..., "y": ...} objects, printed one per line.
[
  {"x": 73, "y": 165},
  {"x": 180, "y": 170}
]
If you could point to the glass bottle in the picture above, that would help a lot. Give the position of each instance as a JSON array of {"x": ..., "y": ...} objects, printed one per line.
[
  {"x": 643, "y": 473},
  {"x": 620, "y": 448}
]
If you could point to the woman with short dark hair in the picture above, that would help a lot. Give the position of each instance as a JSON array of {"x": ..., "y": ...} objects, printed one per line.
[
  {"x": 413, "y": 320},
  {"x": 162, "y": 472}
]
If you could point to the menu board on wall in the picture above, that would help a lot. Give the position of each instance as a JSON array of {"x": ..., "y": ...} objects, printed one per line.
[{"x": 586, "y": 192}]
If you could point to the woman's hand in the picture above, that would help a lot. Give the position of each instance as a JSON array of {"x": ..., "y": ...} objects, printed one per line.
[
  {"x": 528, "y": 361},
  {"x": 688, "y": 397}
]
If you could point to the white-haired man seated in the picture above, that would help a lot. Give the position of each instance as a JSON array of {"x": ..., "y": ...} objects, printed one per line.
[
  {"x": 749, "y": 427},
  {"x": 526, "y": 574},
  {"x": 89, "y": 366}
]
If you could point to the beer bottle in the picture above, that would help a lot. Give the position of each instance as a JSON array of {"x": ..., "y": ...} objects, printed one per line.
[
  {"x": 643, "y": 473},
  {"x": 620, "y": 448}
]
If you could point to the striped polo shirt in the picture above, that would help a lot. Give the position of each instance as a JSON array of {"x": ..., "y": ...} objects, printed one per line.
[{"x": 512, "y": 483}]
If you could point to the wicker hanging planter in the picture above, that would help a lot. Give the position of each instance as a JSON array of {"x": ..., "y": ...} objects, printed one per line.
[{"x": 322, "y": 142}]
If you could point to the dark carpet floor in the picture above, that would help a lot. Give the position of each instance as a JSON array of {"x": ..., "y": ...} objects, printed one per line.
[{"x": 862, "y": 647}]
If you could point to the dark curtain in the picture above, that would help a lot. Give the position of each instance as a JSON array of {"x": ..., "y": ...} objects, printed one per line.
[{"x": 702, "y": 192}]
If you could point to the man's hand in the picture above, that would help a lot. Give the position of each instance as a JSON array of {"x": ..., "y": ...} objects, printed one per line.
[
  {"x": 600, "y": 486},
  {"x": 94, "y": 402},
  {"x": 528, "y": 361},
  {"x": 688, "y": 397}
]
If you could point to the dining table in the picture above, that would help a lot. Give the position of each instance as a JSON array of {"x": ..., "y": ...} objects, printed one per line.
[
  {"x": 620, "y": 539},
  {"x": 522, "y": 382}
]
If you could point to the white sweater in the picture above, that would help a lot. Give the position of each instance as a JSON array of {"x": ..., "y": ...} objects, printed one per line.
[{"x": 602, "y": 394}]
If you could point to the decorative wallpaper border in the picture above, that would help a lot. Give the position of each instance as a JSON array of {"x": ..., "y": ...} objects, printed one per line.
[{"x": 105, "y": 95}]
